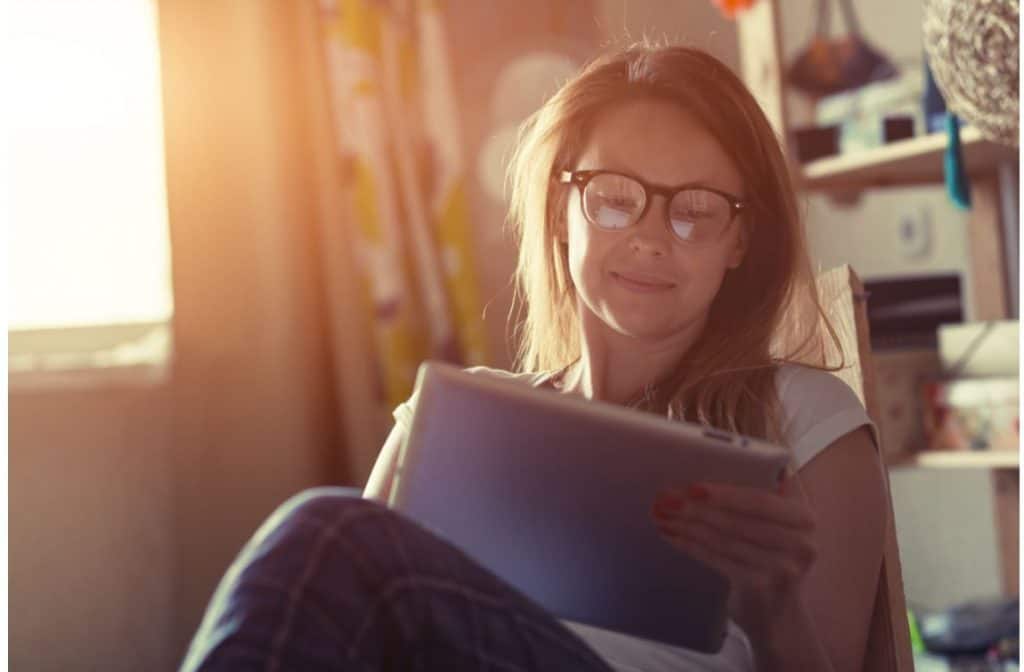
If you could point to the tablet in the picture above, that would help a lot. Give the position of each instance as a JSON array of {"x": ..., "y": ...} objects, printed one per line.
[{"x": 553, "y": 494}]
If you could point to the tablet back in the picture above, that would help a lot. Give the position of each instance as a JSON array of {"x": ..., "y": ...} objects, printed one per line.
[{"x": 553, "y": 494}]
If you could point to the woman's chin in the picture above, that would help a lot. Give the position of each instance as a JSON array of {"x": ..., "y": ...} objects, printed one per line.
[
  {"x": 646, "y": 327},
  {"x": 651, "y": 325}
]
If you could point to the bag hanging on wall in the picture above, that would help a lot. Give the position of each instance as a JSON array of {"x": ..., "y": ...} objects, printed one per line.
[{"x": 829, "y": 65}]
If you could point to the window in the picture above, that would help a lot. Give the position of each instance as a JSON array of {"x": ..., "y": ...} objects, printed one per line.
[{"x": 89, "y": 256}]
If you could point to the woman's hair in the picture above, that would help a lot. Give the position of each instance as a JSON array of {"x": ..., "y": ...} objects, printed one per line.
[{"x": 766, "y": 311}]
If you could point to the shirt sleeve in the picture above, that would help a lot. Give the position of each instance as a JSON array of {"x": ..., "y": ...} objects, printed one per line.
[
  {"x": 403, "y": 413},
  {"x": 817, "y": 409}
]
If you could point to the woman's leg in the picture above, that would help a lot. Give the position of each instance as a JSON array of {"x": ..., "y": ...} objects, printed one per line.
[{"x": 330, "y": 582}]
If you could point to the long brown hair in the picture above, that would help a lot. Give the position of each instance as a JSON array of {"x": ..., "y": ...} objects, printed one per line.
[{"x": 767, "y": 310}]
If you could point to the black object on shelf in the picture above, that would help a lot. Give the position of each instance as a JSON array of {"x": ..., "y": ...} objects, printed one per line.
[
  {"x": 907, "y": 312},
  {"x": 816, "y": 142},
  {"x": 897, "y": 127}
]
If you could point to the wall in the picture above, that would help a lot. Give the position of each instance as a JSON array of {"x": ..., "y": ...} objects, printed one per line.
[
  {"x": 90, "y": 546},
  {"x": 696, "y": 23}
]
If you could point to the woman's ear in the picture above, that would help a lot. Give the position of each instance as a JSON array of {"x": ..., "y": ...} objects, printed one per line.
[{"x": 739, "y": 249}]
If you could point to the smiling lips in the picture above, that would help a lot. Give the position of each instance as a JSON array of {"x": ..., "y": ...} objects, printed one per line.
[{"x": 641, "y": 282}]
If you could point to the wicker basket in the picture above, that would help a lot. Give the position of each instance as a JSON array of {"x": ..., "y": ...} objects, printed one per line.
[{"x": 972, "y": 48}]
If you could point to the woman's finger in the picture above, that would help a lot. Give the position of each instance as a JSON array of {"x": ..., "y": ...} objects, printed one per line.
[
  {"x": 754, "y": 531},
  {"x": 742, "y": 573},
  {"x": 738, "y": 572},
  {"x": 787, "y": 565}
]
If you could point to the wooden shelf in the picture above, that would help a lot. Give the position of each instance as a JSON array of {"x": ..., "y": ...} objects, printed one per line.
[
  {"x": 910, "y": 162},
  {"x": 951, "y": 459}
]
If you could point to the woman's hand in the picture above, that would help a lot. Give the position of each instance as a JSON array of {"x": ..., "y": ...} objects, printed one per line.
[{"x": 761, "y": 541}]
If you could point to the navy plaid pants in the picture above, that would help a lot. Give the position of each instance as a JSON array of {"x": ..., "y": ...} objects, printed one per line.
[{"x": 332, "y": 582}]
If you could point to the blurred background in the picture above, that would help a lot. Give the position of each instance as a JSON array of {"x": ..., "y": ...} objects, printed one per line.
[{"x": 238, "y": 227}]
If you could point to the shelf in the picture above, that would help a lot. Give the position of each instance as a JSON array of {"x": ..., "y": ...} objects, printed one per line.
[
  {"x": 952, "y": 459},
  {"x": 904, "y": 163}
]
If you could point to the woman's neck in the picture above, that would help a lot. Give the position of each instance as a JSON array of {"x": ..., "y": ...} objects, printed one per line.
[{"x": 618, "y": 368}]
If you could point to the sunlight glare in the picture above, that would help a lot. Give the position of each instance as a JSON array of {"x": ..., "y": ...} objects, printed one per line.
[{"x": 89, "y": 241}]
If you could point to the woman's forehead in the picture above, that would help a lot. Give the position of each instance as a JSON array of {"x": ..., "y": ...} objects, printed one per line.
[{"x": 660, "y": 142}]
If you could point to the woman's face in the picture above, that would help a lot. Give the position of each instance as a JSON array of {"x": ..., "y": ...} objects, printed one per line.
[{"x": 643, "y": 281}]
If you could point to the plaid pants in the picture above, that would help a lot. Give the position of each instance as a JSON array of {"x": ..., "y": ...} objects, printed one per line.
[{"x": 332, "y": 582}]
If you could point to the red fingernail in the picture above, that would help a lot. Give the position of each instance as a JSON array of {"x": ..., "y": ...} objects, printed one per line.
[
  {"x": 669, "y": 503},
  {"x": 698, "y": 493}
]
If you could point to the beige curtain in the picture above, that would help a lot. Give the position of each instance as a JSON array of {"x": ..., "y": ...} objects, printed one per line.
[{"x": 270, "y": 347}]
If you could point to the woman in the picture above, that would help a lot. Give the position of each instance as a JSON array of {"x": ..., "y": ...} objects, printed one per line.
[{"x": 661, "y": 265}]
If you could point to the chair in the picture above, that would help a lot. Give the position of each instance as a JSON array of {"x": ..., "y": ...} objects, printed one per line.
[{"x": 842, "y": 297}]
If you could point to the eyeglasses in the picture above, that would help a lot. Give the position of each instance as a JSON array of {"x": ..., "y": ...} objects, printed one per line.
[{"x": 612, "y": 201}]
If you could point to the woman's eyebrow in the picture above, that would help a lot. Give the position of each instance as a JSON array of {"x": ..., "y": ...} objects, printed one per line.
[{"x": 700, "y": 182}]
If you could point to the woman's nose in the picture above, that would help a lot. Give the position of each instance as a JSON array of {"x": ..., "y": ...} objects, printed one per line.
[{"x": 650, "y": 234}]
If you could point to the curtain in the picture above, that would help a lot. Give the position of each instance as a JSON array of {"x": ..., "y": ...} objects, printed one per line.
[
  {"x": 396, "y": 128},
  {"x": 320, "y": 251},
  {"x": 264, "y": 325}
]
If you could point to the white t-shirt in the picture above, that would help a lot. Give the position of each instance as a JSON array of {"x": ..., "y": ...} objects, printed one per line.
[{"x": 817, "y": 409}]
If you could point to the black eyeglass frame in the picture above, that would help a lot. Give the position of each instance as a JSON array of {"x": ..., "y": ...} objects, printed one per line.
[{"x": 581, "y": 178}]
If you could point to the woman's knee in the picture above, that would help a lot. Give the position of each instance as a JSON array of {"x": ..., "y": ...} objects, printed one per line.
[
  {"x": 311, "y": 513},
  {"x": 320, "y": 503},
  {"x": 358, "y": 532}
]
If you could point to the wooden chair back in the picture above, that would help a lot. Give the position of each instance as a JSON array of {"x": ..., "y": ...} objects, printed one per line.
[{"x": 845, "y": 304}]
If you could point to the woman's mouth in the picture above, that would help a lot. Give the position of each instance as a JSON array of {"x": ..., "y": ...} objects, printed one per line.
[{"x": 638, "y": 282}]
